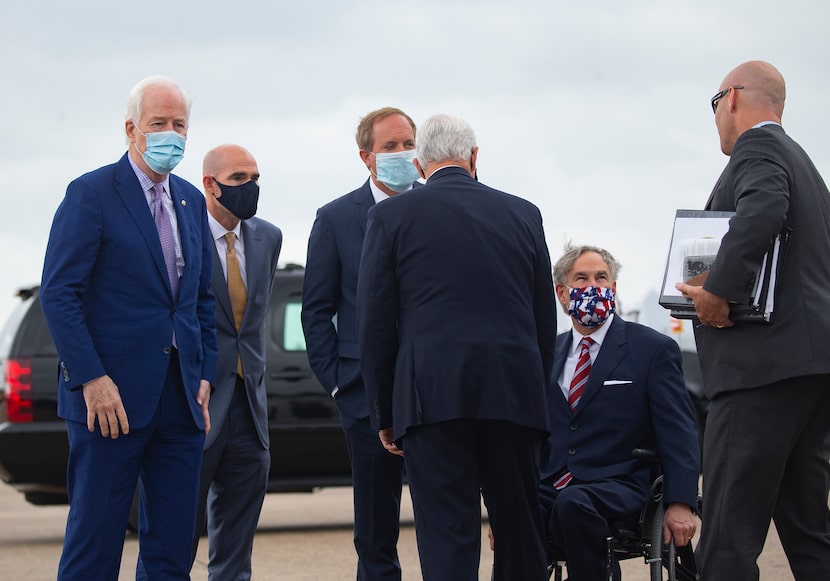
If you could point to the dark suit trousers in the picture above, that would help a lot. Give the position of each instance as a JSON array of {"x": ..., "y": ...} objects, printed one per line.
[
  {"x": 766, "y": 453},
  {"x": 377, "y": 478},
  {"x": 234, "y": 479},
  {"x": 449, "y": 466},
  {"x": 164, "y": 458},
  {"x": 578, "y": 516}
]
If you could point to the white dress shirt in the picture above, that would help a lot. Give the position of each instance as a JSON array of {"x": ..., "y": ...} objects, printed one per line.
[
  {"x": 218, "y": 232},
  {"x": 568, "y": 370},
  {"x": 378, "y": 194}
]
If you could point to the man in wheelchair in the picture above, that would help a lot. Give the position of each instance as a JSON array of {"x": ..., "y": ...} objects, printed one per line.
[{"x": 616, "y": 386}]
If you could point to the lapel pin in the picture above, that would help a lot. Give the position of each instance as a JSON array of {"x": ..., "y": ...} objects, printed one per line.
[{"x": 184, "y": 203}]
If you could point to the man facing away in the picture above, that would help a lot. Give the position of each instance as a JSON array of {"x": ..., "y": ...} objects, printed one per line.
[
  {"x": 125, "y": 292},
  {"x": 386, "y": 139},
  {"x": 616, "y": 386},
  {"x": 236, "y": 458},
  {"x": 456, "y": 332},
  {"x": 767, "y": 440}
]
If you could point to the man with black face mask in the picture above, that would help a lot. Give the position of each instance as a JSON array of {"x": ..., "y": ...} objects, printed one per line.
[
  {"x": 236, "y": 458},
  {"x": 616, "y": 386}
]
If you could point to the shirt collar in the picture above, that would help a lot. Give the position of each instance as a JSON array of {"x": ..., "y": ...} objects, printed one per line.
[
  {"x": 146, "y": 182},
  {"x": 598, "y": 336},
  {"x": 218, "y": 231},
  {"x": 443, "y": 167},
  {"x": 378, "y": 194}
]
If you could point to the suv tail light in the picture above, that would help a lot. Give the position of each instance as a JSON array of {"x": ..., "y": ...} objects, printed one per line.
[{"x": 19, "y": 390}]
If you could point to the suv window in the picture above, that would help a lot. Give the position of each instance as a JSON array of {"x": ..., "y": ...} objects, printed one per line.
[
  {"x": 33, "y": 336},
  {"x": 10, "y": 328},
  {"x": 293, "y": 338}
]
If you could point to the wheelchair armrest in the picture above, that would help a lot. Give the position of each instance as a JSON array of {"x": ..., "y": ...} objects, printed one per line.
[{"x": 647, "y": 455}]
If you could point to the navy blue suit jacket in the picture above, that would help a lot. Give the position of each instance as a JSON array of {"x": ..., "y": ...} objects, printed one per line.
[
  {"x": 456, "y": 310},
  {"x": 635, "y": 398},
  {"x": 108, "y": 301},
  {"x": 329, "y": 290}
]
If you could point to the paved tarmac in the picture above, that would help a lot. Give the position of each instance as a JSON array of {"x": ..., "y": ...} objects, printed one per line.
[{"x": 300, "y": 537}]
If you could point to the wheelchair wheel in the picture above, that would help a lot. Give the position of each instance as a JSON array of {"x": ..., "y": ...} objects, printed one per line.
[
  {"x": 655, "y": 549},
  {"x": 680, "y": 563}
]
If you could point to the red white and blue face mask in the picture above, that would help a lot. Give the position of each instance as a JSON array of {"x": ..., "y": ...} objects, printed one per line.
[{"x": 590, "y": 306}]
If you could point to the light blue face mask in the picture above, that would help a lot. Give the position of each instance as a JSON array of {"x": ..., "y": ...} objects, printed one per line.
[
  {"x": 395, "y": 170},
  {"x": 164, "y": 151}
]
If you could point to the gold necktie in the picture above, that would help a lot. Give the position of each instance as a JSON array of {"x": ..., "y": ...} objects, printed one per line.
[{"x": 236, "y": 289}]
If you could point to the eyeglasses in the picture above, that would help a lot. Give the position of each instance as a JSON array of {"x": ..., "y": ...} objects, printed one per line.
[{"x": 721, "y": 95}]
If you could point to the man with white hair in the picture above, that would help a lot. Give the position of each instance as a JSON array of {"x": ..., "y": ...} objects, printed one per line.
[
  {"x": 456, "y": 331},
  {"x": 125, "y": 292}
]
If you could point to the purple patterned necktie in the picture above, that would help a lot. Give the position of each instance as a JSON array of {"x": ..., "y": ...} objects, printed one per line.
[{"x": 168, "y": 243}]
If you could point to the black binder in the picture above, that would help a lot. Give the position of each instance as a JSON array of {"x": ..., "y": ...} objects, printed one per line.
[{"x": 694, "y": 245}]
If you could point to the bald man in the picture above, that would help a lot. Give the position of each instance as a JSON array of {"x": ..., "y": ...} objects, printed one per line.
[
  {"x": 236, "y": 457},
  {"x": 767, "y": 441}
]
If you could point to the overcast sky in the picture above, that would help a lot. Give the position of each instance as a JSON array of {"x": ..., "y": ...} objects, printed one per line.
[{"x": 597, "y": 112}]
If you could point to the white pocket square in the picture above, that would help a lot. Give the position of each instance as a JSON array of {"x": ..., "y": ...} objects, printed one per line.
[{"x": 617, "y": 382}]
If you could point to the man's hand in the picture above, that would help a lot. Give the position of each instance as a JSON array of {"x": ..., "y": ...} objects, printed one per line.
[
  {"x": 712, "y": 310},
  {"x": 103, "y": 402},
  {"x": 679, "y": 523},
  {"x": 388, "y": 440},
  {"x": 203, "y": 399}
]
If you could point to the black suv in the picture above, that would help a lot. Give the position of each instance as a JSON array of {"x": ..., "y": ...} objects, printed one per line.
[{"x": 308, "y": 449}]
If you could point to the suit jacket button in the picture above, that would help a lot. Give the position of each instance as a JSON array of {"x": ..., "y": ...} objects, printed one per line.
[
  {"x": 573, "y": 427},
  {"x": 167, "y": 350},
  {"x": 571, "y": 452}
]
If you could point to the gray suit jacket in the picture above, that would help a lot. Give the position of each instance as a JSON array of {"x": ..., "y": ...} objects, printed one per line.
[
  {"x": 771, "y": 184},
  {"x": 263, "y": 242}
]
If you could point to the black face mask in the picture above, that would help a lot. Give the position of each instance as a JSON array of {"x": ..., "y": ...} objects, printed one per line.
[{"x": 241, "y": 201}]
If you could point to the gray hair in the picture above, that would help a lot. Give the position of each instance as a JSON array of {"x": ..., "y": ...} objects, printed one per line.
[
  {"x": 566, "y": 262},
  {"x": 444, "y": 138},
  {"x": 134, "y": 101}
]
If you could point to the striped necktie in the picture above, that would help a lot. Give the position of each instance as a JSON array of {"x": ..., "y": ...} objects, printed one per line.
[{"x": 581, "y": 373}]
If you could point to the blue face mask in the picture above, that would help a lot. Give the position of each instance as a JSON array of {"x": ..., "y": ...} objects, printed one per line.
[
  {"x": 396, "y": 170},
  {"x": 164, "y": 150}
]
